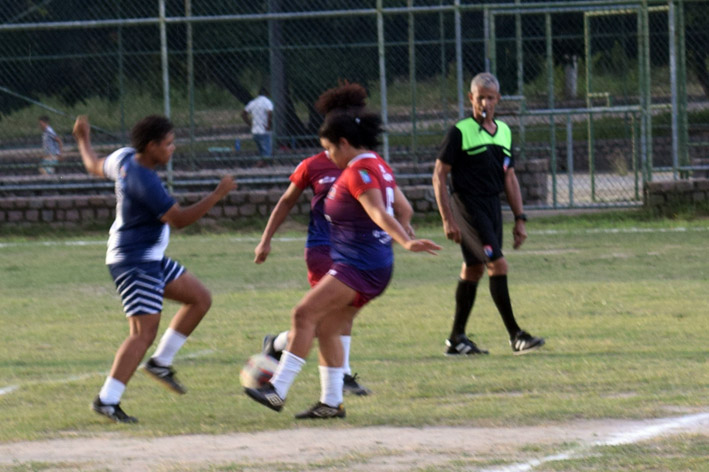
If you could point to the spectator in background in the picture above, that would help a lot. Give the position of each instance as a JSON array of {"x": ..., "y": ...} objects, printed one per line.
[
  {"x": 258, "y": 114},
  {"x": 51, "y": 147}
]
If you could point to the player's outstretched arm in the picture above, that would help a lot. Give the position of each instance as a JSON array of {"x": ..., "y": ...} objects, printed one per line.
[
  {"x": 82, "y": 134},
  {"x": 278, "y": 216},
  {"x": 403, "y": 212},
  {"x": 373, "y": 204},
  {"x": 179, "y": 217}
]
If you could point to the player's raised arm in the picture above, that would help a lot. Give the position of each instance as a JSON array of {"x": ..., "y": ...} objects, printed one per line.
[{"x": 82, "y": 134}]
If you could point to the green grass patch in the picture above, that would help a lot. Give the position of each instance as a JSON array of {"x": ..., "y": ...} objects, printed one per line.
[{"x": 620, "y": 298}]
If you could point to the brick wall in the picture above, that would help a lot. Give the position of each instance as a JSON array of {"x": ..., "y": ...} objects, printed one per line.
[
  {"x": 99, "y": 210},
  {"x": 665, "y": 198}
]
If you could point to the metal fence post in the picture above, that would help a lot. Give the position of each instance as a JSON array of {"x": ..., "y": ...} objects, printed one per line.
[
  {"x": 459, "y": 59},
  {"x": 165, "y": 80},
  {"x": 383, "y": 78}
]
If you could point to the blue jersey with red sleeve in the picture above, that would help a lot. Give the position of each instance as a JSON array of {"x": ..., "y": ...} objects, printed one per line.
[
  {"x": 356, "y": 239},
  {"x": 317, "y": 172}
]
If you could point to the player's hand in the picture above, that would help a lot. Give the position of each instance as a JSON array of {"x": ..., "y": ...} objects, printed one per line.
[
  {"x": 422, "y": 245},
  {"x": 262, "y": 251},
  {"x": 519, "y": 233},
  {"x": 82, "y": 129},
  {"x": 226, "y": 185},
  {"x": 452, "y": 231}
]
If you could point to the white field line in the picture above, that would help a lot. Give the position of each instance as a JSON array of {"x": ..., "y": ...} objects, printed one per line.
[
  {"x": 74, "y": 378},
  {"x": 638, "y": 434},
  {"x": 630, "y": 230}
]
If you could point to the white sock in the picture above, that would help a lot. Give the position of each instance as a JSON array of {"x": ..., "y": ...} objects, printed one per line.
[
  {"x": 281, "y": 341},
  {"x": 331, "y": 382},
  {"x": 288, "y": 369},
  {"x": 170, "y": 343},
  {"x": 346, "y": 341},
  {"x": 112, "y": 391}
]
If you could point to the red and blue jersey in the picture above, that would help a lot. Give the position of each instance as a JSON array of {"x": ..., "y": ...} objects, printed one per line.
[
  {"x": 356, "y": 239},
  {"x": 317, "y": 172}
]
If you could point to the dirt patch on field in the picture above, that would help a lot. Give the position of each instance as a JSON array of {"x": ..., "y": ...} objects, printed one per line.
[{"x": 372, "y": 449}]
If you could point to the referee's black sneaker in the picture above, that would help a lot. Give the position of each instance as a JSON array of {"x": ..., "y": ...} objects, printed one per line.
[
  {"x": 523, "y": 342},
  {"x": 112, "y": 412},
  {"x": 463, "y": 346},
  {"x": 322, "y": 410},
  {"x": 267, "y": 396}
]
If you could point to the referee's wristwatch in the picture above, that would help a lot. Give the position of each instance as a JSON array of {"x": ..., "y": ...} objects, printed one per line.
[{"x": 521, "y": 217}]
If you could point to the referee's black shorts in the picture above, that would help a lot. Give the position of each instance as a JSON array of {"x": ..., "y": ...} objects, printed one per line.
[{"x": 480, "y": 223}]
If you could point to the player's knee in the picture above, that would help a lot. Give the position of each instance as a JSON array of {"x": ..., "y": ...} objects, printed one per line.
[
  {"x": 302, "y": 318},
  {"x": 205, "y": 301},
  {"x": 472, "y": 273}
]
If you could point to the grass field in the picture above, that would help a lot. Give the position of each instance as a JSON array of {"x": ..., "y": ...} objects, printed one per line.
[{"x": 621, "y": 301}]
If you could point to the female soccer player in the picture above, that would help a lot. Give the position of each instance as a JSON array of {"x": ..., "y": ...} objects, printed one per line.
[
  {"x": 318, "y": 173},
  {"x": 136, "y": 256},
  {"x": 360, "y": 208}
]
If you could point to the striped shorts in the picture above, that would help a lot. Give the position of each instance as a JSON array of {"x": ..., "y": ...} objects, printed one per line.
[{"x": 141, "y": 286}]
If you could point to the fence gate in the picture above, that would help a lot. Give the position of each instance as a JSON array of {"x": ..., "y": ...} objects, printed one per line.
[{"x": 593, "y": 118}]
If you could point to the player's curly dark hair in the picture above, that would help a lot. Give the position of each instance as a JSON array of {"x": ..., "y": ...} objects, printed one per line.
[
  {"x": 347, "y": 117},
  {"x": 348, "y": 95},
  {"x": 150, "y": 128}
]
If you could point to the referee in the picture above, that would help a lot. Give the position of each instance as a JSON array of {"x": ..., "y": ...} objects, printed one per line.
[{"x": 477, "y": 153}]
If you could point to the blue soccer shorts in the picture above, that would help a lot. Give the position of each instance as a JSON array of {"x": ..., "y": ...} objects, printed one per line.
[{"x": 141, "y": 286}]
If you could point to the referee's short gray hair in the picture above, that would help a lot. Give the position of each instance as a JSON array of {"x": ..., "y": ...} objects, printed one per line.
[{"x": 485, "y": 79}]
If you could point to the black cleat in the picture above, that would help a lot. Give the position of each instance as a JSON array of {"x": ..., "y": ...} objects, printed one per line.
[
  {"x": 112, "y": 412},
  {"x": 523, "y": 342},
  {"x": 164, "y": 375},
  {"x": 321, "y": 410},
  {"x": 463, "y": 346},
  {"x": 351, "y": 385},
  {"x": 268, "y": 348},
  {"x": 266, "y": 395}
]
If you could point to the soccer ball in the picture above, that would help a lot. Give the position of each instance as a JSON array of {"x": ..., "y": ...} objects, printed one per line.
[{"x": 258, "y": 370}]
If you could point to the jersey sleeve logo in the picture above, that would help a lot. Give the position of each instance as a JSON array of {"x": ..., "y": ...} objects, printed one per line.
[{"x": 365, "y": 176}]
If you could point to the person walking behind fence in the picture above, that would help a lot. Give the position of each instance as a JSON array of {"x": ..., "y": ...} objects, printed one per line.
[
  {"x": 258, "y": 114},
  {"x": 477, "y": 153},
  {"x": 136, "y": 259},
  {"x": 52, "y": 147}
]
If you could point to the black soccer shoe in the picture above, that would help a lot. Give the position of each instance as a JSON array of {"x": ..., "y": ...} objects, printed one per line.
[
  {"x": 165, "y": 376},
  {"x": 463, "y": 346},
  {"x": 321, "y": 410},
  {"x": 523, "y": 342},
  {"x": 351, "y": 385},
  {"x": 112, "y": 412},
  {"x": 266, "y": 395},
  {"x": 268, "y": 348}
]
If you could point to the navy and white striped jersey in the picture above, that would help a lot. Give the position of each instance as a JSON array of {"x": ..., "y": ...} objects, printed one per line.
[{"x": 137, "y": 234}]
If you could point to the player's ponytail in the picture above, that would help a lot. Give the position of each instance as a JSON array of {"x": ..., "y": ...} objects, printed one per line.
[{"x": 346, "y": 117}]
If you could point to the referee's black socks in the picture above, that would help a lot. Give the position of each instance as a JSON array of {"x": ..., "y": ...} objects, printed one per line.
[
  {"x": 464, "y": 300},
  {"x": 501, "y": 296}
]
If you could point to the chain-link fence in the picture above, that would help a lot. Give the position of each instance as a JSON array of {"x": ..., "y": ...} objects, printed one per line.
[{"x": 611, "y": 93}]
